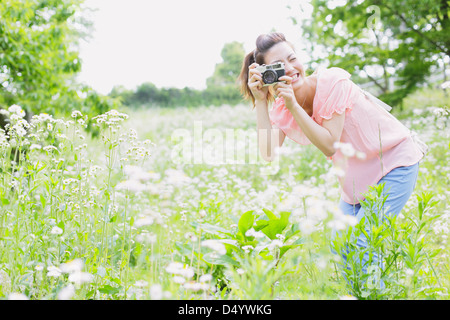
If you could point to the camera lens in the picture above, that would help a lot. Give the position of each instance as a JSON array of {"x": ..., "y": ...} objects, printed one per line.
[{"x": 269, "y": 76}]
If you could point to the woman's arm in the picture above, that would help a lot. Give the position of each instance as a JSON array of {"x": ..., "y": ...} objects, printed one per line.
[
  {"x": 323, "y": 137},
  {"x": 268, "y": 138}
]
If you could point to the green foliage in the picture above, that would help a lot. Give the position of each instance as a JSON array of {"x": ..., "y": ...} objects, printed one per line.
[
  {"x": 401, "y": 244},
  {"x": 379, "y": 41},
  {"x": 39, "y": 58},
  {"x": 245, "y": 244},
  {"x": 227, "y": 72}
]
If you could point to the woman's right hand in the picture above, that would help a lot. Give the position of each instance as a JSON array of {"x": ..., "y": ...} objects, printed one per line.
[{"x": 255, "y": 83}]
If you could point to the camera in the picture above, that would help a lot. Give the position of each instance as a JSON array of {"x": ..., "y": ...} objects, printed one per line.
[{"x": 271, "y": 73}]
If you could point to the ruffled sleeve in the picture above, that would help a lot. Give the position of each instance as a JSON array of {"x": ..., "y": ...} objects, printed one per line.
[
  {"x": 281, "y": 117},
  {"x": 334, "y": 93}
]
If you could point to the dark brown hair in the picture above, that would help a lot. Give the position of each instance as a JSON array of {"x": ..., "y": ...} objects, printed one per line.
[{"x": 263, "y": 43}]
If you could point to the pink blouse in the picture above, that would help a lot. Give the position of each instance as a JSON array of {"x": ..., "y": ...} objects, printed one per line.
[{"x": 381, "y": 141}]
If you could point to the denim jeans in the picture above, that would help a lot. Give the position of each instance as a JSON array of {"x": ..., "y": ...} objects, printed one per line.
[{"x": 399, "y": 185}]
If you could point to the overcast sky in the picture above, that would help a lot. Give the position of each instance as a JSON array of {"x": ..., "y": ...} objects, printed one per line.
[{"x": 175, "y": 43}]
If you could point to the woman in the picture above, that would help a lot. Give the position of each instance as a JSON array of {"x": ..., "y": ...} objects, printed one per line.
[{"x": 328, "y": 110}]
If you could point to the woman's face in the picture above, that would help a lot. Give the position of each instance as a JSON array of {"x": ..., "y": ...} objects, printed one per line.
[{"x": 283, "y": 52}]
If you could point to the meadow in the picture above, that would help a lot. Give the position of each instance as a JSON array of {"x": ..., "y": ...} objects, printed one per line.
[{"x": 122, "y": 216}]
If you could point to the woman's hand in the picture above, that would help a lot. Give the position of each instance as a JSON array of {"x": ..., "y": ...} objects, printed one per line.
[
  {"x": 256, "y": 84},
  {"x": 285, "y": 91}
]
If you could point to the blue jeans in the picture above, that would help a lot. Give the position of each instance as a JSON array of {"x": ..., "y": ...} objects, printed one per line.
[{"x": 399, "y": 185}]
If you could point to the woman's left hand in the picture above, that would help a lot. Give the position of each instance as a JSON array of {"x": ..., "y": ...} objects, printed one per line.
[{"x": 285, "y": 91}]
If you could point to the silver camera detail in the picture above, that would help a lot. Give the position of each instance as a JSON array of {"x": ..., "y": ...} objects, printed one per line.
[{"x": 270, "y": 73}]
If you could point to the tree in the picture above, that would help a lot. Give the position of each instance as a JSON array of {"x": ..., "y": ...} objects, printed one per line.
[
  {"x": 222, "y": 87},
  {"x": 380, "y": 41},
  {"x": 228, "y": 70},
  {"x": 39, "y": 58}
]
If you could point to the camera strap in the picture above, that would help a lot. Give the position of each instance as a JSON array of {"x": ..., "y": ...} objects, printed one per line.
[{"x": 376, "y": 100}]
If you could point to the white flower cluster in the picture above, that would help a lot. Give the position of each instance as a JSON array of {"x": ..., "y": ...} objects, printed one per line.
[
  {"x": 215, "y": 245},
  {"x": 111, "y": 119},
  {"x": 17, "y": 126},
  {"x": 181, "y": 273},
  {"x": 148, "y": 217},
  {"x": 155, "y": 291},
  {"x": 348, "y": 151},
  {"x": 445, "y": 85},
  {"x": 201, "y": 285},
  {"x": 76, "y": 276},
  {"x": 4, "y": 144},
  {"x": 341, "y": 221}
]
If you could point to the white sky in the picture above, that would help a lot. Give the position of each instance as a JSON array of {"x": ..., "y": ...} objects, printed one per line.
[{"x": 175, "y": 43}]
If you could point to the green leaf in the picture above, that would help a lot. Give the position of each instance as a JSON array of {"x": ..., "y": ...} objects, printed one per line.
[
  {"x": 273, "y": 226},
  {"x": 246, "y": 222},
  {"x": 260, "y": 224},
  {"x": 5, "y": 201},
  {"x": 61, "y": 225},
  {"x": 270, "y": 214},
  {"x": 107, "y": 289},
  {"x": 42, "y": 198}
]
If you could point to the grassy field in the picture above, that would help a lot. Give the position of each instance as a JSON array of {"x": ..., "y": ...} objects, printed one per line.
[{"x": 138, "y": 213}]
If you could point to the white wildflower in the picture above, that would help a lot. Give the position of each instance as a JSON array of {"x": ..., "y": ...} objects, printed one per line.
[
  {"x": 156, "y": 292},
  {"x": 307, "y": 226},
  {"x": 337, "y": 171},
  {"x": 346, "y": 149},
  {"x": 72, "y": 266},
  {"x": 53, "y": 271},
  {"x": 178, "y": 279},
  {"x": 445, "y": 85},
  {"x": 50, "y": 148},
  {"x": 146, "y": 237},
  {"x": 76, "y": 114},
  {"x": 275, "y": 244},
  {"x": 179, "y": 269},
  {"x": 38, "y": 267},
  {"x": 146, "y": 221},
  {"x": 66, "y": 293},
  {"x": 17, "y": 296},
  {"x": 56, "y": 230},
  {"x": 81, "y": 277},
  {"x": 205, "y": 278},
  {"x": 215, "y": 245},
  {"x": 141, "y": 284},
  {"x": 195, "y": 286},
  {"x": 360, "y": 155},
  {"x": 35, "y": 146},
  {"x": 409, "y": 272},
  {"x": 17, "y": 110},
  {"x": 240, "y": 271},
  {"x": 252, "y": 233}
]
